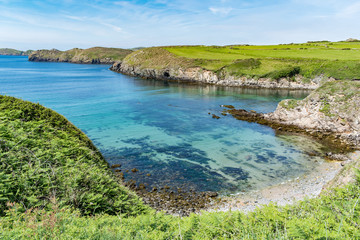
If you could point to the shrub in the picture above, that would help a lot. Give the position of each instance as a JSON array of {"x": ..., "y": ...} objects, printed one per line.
[
  {"x": 44, "y": 156},
  {"x": 283, "y": 73}
]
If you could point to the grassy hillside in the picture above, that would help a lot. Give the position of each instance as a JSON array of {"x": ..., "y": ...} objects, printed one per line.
[
  {"x": 14, "y": 52},
  {"x": 340, "y": 60},
  {"x": 45, "y": 159},
  {"x": 98, "y": 55}
]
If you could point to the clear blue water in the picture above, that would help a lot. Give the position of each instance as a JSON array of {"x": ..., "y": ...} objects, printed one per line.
[{"x": 164, "y": 129}]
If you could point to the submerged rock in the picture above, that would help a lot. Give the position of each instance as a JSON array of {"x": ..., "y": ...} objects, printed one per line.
[
  {"x": 115, "y": 165},
  {"x": 215, "y": 116}
]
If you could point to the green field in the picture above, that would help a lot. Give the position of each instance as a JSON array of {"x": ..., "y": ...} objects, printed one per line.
[{"x": 340, "y": 60}]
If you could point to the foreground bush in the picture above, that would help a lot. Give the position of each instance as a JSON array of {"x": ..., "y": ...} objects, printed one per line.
[{"x": 43, "y": 157}]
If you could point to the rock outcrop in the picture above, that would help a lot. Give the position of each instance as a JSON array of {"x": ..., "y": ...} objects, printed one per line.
[
  {"x": 199, "y": 75},
  {"x": 96, "y": 55},
  {"x": 331, "y": 112},
  {"x": 334, "y": 108}
]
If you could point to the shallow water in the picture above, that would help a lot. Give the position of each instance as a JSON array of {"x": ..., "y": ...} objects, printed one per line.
[{"x": 164, "y": 129}]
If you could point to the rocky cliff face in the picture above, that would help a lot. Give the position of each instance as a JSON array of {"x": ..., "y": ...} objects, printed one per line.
[
  {"x": 95, "y": 55},
  {"x": 333, "y": 108},
  {"x": 197, "y": 74}
]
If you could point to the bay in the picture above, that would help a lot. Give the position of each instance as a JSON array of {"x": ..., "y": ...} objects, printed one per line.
[{"x": 165, "y": 130}]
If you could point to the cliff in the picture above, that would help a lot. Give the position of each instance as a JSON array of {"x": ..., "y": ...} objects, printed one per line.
[
  {"x": 199, "y": 64},
  {"x": 14, "y": 52},
  {"x": 203, "y": 76},
  {"x": 96, "y": 55}
]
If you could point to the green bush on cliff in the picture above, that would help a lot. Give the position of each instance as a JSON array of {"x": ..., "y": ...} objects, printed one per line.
[
  {"x": 45, "y": 158},
  {"x": 283, "y": 73}
]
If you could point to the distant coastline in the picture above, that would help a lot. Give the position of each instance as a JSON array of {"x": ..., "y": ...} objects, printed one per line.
[
  {"x": 14, "y": 52},
  {"x": 95, "y": 55}
]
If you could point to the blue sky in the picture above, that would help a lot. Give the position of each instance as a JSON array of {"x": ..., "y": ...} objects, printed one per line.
[{"x": 65, "y": 24}]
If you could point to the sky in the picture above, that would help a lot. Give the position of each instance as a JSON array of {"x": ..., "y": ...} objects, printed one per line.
[{"x": 66, "y": 24}]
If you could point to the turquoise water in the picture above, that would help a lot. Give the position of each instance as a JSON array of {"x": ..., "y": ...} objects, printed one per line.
[{"x": 164, "y": 129}]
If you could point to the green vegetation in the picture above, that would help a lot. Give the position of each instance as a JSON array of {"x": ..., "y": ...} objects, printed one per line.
[
  {"x": 336, "y": 98},
  {"x": 14, "y": 52},
  {"x": 44, "y": 158},
  {"x": 333, "y": 216},
  {"x": 77, "y": 55},
  {"x": 339, "y": 97},
  {"x": 289, "y": 103},
  {"x": 340, "y": 60},
  {"x": 56, "y": 185},
  {"x": 157, "y": 58}
]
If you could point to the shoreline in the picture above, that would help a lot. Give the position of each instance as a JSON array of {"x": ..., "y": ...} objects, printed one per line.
[
  {"x": 321, "y": 179},
  {"x": 197, "y": 75}
]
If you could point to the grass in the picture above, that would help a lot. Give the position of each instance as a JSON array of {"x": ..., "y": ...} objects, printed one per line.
[
  {"x": 340, "y": 60},
  {"x": 292, "y": 51}
]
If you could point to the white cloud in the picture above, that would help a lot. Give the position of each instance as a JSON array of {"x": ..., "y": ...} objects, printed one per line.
[
  {"x": 220, "y": 10},
  {"x": 113, "y": 27},
  {"x": 350, "y": 11},
  {"x": 75, "y": 18}
]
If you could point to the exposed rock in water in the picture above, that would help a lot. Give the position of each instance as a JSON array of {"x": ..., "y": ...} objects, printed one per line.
[
  {"x": 115, "y": 165},
  {"x": 215, "y": 116},
  {"x": 228, "y": 106}
]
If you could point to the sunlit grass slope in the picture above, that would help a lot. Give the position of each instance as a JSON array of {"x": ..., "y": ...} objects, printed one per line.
[
  {"x": 340, "y": 60},
  {"x": 44, "y": 159}
]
